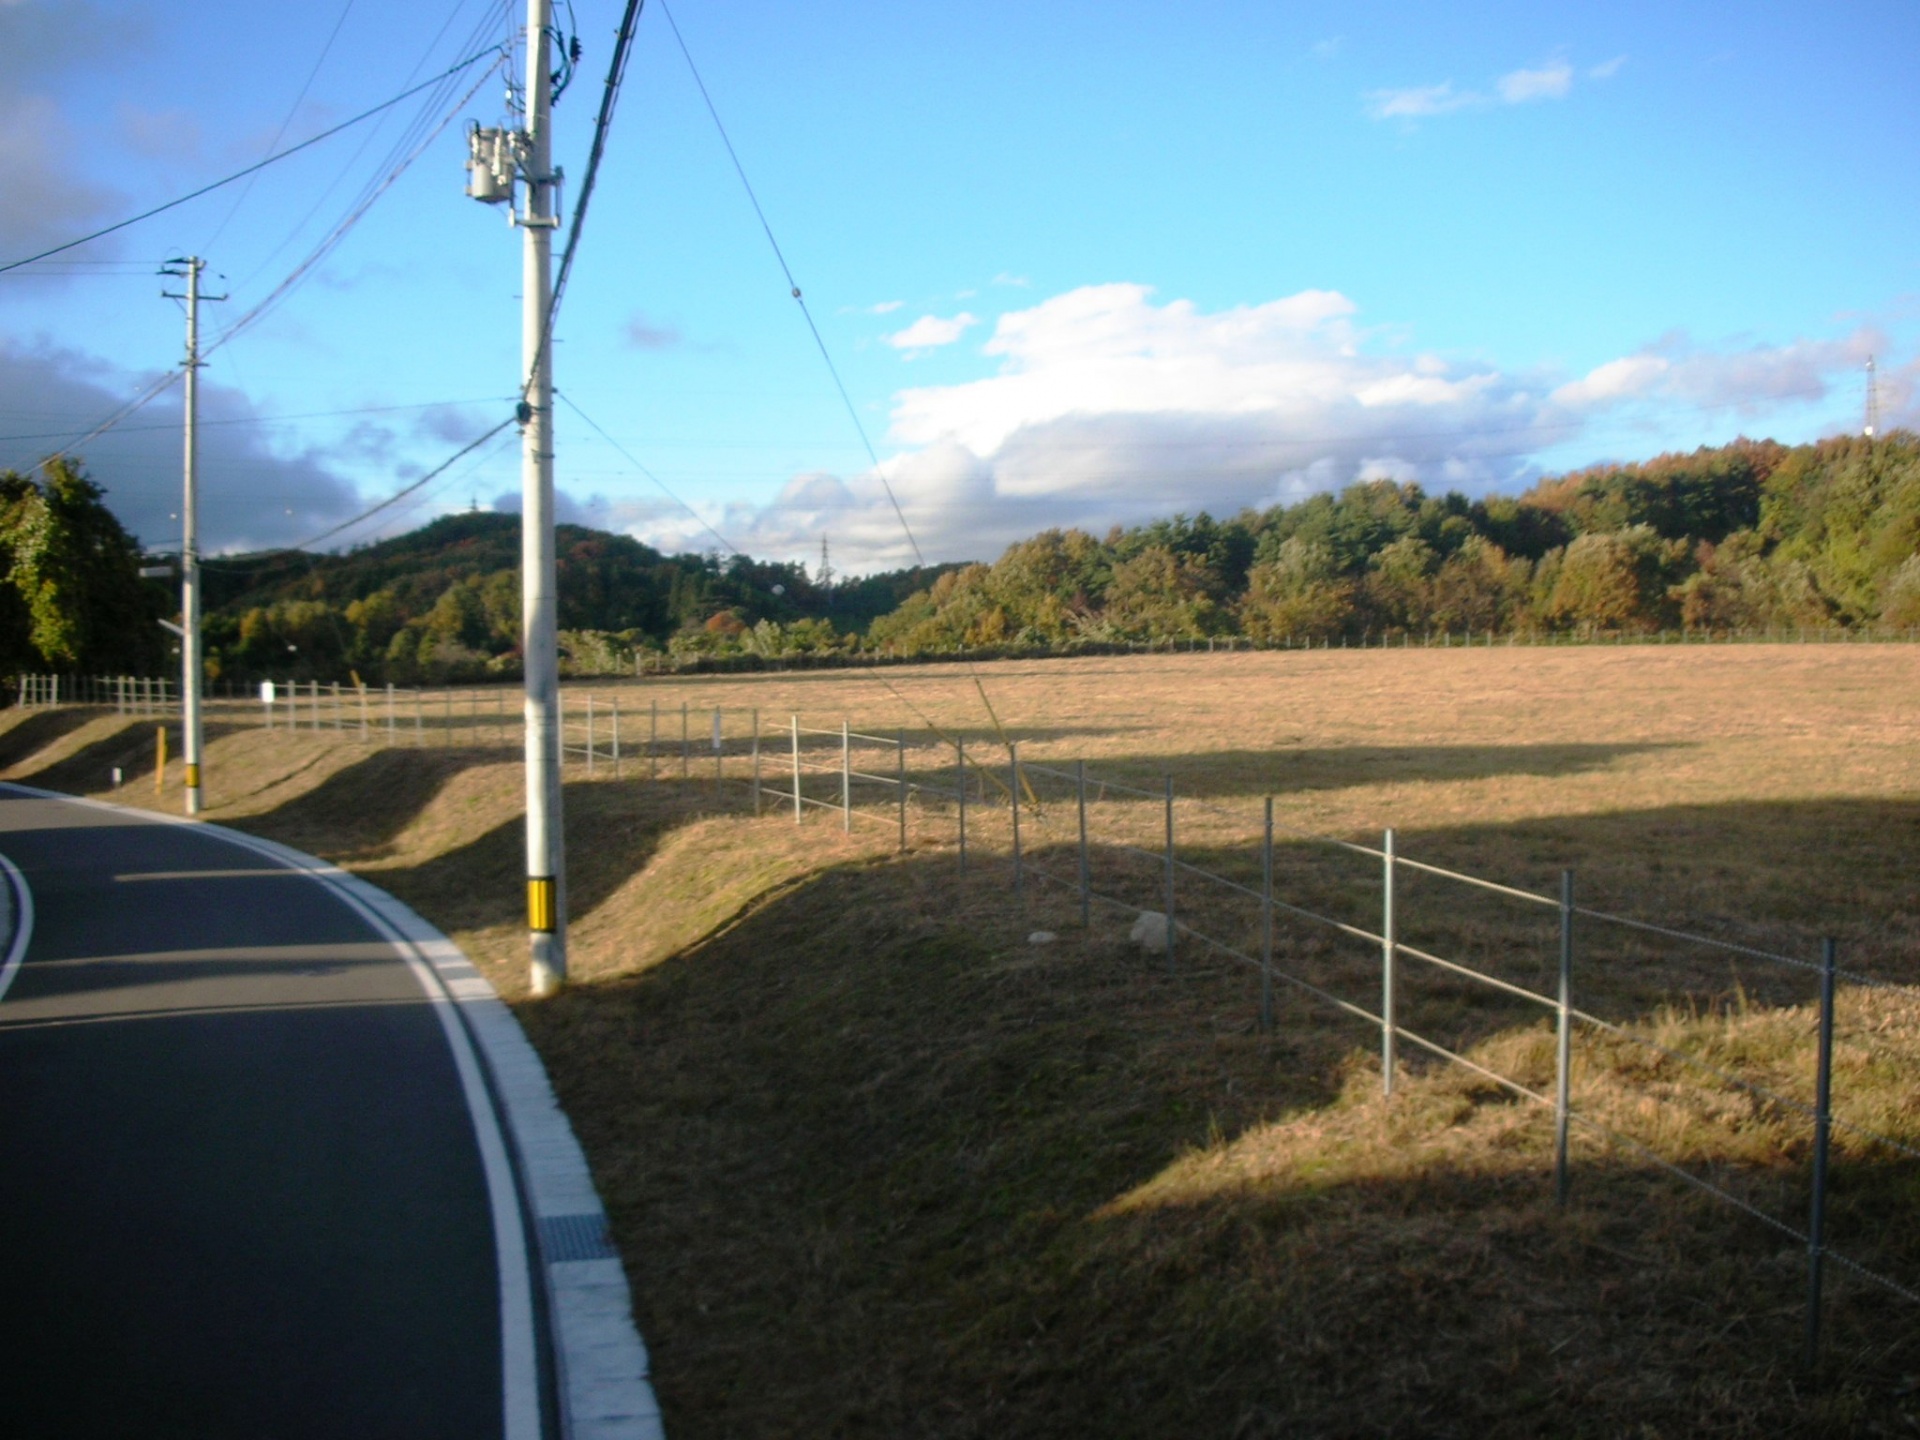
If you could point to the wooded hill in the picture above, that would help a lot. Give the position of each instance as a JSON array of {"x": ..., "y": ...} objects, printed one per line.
[{"x": 1749, "y": 536}]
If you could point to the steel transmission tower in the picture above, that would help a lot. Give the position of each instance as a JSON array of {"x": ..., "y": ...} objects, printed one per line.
[
  {"x": 189, "y": 270},
  {"x": 499, "y": 161}
]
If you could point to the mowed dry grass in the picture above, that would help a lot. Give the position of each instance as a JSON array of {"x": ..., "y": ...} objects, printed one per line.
[{"x": 879, "y": 1167}]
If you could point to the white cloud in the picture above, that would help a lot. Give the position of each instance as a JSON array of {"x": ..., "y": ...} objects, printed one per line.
[
  {"x": 1109, "y": 407},
  {"x": 1607, "y": 69},
  {"x": 1746, "y": 381},
  {"x": 1328, "y": 48},
  {"x": 930, "y": 331},
  {"x": 885, "y": 307},
  {"x": 1419, "y": 101},
  {"x": 1551, "y": 81}
]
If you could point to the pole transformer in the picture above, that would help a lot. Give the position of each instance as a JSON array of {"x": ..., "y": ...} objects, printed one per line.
[
  {"x": 190, "y": 666},
  {"x": 503, "y": 163}
]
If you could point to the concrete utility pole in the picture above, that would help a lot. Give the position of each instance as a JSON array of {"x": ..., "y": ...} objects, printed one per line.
[
  {"x": 190, "y": 534},
  {"x": 498, "y": 161}
]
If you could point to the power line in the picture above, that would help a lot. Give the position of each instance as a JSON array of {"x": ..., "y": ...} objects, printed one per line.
[
  {"x": 402, "y": 494},
  {"x": 792, "y": 286},
  {"x": 603, "y": 121},
  {"x": 278, "y": 419},
  {"x": 664, "y": 487},
  {"x": 258, "y": 165},
  {"x": 292, "y": 110}
]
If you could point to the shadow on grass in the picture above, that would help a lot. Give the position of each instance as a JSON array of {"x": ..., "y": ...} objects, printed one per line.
[
  {"x": 356, "y": 813},
  {"x": 863, "y": 1149},
  {"x": 35, "y": 731},
  {"x": 1249, "y": 774}
]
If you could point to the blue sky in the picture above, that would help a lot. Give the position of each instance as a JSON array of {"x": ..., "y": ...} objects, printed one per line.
[{"x": 1078, "y": 264}]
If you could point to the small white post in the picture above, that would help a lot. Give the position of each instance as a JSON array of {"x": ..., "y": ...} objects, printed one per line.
[
  {"x": 1386, "y": 969},
  {"x": 796, "y": 769},
  {"x": 846, "y": 780}
]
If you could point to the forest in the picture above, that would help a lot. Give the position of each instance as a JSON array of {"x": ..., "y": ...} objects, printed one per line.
[{"x": 1747, "y": 537}]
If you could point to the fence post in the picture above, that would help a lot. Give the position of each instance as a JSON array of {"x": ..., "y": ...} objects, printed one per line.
[
  {"x": 900, "y": 779},
  {"x": 1170, "y": 919},
  {"x": 419, "y": 717},
  {"x": 1822, "y": 1129},
  {"x": 1013, "y": 802},
  {"x": 846, "y": 780},
  {"x": 719, "y": 757},
  {"x": 686, "y": 745},
  {"x": 334, "y": 696},
  {"x": 796, "y": 769},
  {"x": 447, "y": 696},
  {"x": 616, "y": 736},
  {"x": 1563, "y": 1043},
  {"x": 1266, "y": 921},
  {"x": 589, "y": 732},
  {"x": 365, "y": 730},
  {"x": 1387, "y": 947},
  {"x": 653, "y": 740},
  {"x": 1086, "y": 876},
  {"x": 960, "y": 769},
  {"x": 756, "y": 762},
  {"x": 392, "y": 724},
  {"x": 560, "y": 724}
]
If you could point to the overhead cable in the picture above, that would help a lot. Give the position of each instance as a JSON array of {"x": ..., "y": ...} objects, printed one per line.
[
  {"x": 793, "y": 287},
  {"x": 663, "y": 486},
  {"x": 602, "y": 123},
  {"x": 258, "y": 165}
]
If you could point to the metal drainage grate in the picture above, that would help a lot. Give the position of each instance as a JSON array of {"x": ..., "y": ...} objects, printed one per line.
[{"x": 575, "y": 1237}]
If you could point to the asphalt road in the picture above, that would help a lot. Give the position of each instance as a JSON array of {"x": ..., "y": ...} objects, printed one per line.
[{"x": 243, "y": 1190}]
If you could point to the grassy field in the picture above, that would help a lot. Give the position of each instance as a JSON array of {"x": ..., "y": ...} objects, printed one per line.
[{"x": 879, "y": 1166}]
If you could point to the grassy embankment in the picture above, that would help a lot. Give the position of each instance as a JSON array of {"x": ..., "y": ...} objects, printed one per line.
[{"x": 878, "y": 1166}]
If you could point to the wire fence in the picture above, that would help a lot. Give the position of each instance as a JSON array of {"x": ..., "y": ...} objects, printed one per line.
[{"x": 1340, "y": 923}]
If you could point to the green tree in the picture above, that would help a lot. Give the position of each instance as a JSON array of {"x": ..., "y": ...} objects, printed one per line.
[{"x": 76, "y": 571}]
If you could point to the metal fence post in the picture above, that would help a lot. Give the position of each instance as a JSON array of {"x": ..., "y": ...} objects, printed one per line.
[
  {"x": 1170, "y": 919},
  {"x": 1013, "y": 802},
  {"x": 419, "y": 717},
  {"x": 1822, "y": 1130},
  {"x": 616, "y": 737},
  {"x": 1387, "y": 947},
  {"x": 1266, "y": 921},
  {"x": 960, "y": 770},
  {"x": 653, "y": 740},
  {"x": 756, "y": 762},
  {"x": 589, "y": 732},
  {"x": 1086, "y": 875},
  {"x": 900, "y": 779},
  {"x": 447, "y": 699},
  {"x": 338, "y": 723},
  {"x": 1563, "y": 1043},
  {"x": 846, "y": 780},
  {"x": 719, "y": 756},
  {"x": 363, "y": 712},
  {"x": 796, "y": 769},
  {"x": 391, "y": 720},
  {"x": 686, "y": 745}
]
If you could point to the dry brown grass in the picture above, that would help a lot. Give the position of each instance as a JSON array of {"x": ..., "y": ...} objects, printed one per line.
[{"x": 878, "y": 1167}]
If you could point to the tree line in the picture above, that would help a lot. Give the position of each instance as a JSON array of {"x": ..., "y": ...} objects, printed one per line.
[{"x": 1748, "y": 536}]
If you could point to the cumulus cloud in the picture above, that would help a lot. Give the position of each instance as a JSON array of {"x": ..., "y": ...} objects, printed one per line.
[
  {"x": 1109, "y": 406},
  {"x": 1607, "y": 69},
  {"x": 1746, "y": 381},
  {"x": 1551, "y": 80},
  {"x": 932, "y": 331},
  {"x": 252, "y": 494}
]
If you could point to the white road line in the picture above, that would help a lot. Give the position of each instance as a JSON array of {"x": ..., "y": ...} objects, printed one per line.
[
  {"x": 519, "y": 1363},
  {"x": 22, "y": 923}
]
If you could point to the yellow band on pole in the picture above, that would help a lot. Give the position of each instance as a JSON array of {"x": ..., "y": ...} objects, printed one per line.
[
  {"x": 540, "y": 906},
  {"x": 193, "y": 777},
  {"x": 160, "y": 758}
]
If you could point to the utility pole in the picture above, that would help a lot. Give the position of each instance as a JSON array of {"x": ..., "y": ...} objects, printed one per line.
[
  {"x": 1873, "y": 401},
  {"x": 190, "y": 533},
  {"x": 498, "y": 161}
]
